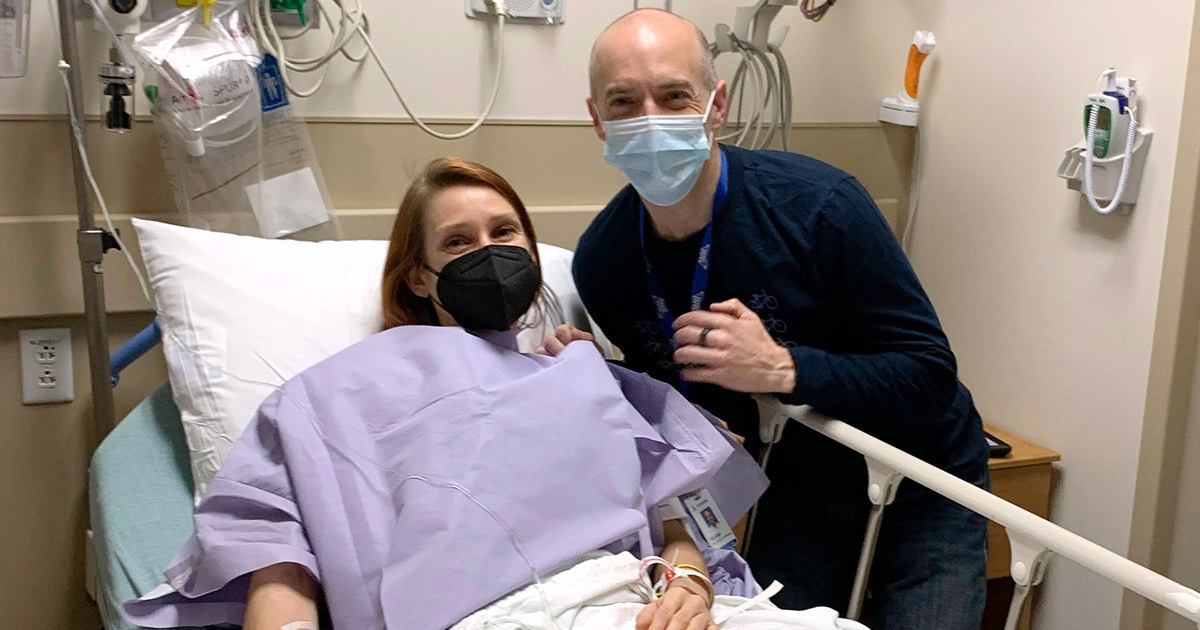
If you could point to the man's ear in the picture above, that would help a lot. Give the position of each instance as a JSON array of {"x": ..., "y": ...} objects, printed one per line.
[
  {"x": 720, "y": 106},
  {"x": 591, "y": 105}
]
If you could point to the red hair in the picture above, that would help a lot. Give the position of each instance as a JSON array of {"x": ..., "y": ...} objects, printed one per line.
[{"x": 406, "y": 251}]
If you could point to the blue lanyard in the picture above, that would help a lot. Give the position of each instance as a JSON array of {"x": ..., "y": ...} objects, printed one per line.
[{"x": 666, "y": 319}]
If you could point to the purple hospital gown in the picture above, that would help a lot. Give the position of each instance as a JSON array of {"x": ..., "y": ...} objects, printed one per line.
[{"x": 418, "y": 474}]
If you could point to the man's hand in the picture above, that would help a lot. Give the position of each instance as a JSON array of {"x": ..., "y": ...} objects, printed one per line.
[
  {"x": 737, "y": 352},
  {"x": 683, "y": 607},
  {"x": 562, "y": 336}
]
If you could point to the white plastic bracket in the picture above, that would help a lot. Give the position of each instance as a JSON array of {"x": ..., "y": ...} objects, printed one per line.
[
  {"x": 778, "y": 35},
  {"x": 723, "y": 40},
  {"x": 1188, "y": 601},
  {"x": 771, "y": 419},
  {"x": 1106, "y": 171},
  {"x": 1029, "y": 560},
  {"x": 753, "y": 23},
  {"x": 882, "y": 483}
]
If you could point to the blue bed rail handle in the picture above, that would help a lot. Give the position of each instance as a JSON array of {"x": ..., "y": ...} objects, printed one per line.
[{"x": 134, "y": 349}]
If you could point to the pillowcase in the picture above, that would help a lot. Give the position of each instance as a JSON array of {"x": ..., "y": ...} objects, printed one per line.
[{"x": 241, "y": 315}]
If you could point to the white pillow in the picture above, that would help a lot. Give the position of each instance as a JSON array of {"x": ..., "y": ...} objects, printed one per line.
[{"x": 241, "y": 315}]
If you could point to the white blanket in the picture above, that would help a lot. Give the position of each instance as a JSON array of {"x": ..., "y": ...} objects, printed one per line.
[{"x": 607, "y": 593}]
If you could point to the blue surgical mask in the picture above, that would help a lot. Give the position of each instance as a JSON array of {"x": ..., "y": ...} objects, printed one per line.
[{"x": 662, "y": 156}]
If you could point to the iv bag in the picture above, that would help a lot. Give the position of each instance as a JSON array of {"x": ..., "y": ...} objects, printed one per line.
[
  {"x": 14, "y": 38},
  {"x": 237, "y": 158}
]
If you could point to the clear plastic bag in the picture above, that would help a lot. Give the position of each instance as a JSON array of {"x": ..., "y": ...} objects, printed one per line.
[
  {"x": 14, "y": 38},
  {"x": 237, "y": 157}
]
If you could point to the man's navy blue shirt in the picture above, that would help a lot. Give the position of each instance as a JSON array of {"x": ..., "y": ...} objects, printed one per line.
[{"x": 803, "y": 245}]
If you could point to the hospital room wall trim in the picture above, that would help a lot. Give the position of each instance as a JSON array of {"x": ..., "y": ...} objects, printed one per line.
[
  {"x": 435, "y": 120},
  {"x": 369, "y": 165},
  {"x": 41, "y": 279},
  {"x": 558, "y": 170},
  {"x": 1169, "y": 398}
]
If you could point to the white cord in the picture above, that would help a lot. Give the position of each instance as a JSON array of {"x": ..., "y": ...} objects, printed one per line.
[
  {"x": 77, "y": 132},
  {"x": 759, "y": 600},
  {"x": 420, "y": 123},
  {"x": 771, "y": 79},
  {"x": 914, "y": 190},
  {"x": 1089, "y": 156},
  {"x": 747, "y": 67},
  {"x": 770, "y": 110},
  {"x": 271, "y": 41},
  {"x": 353, "y": 24},
  {"x": 786, "y": 103},
  {"x": 512, "y": 537}
]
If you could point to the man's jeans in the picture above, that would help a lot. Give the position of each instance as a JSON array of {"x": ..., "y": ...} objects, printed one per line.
[{"x": 930, "y": 564}]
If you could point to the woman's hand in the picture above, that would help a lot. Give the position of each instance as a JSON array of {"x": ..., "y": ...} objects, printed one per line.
[
  {"x": 562, "y": 336},
  {"x": 684, "y": 606}
]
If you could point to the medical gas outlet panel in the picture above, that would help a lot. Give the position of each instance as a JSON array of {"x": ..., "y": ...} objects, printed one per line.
[{"x": 520, "y": 11}]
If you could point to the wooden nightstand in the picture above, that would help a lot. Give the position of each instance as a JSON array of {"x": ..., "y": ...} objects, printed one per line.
[{"x": 1022, "y": 478}]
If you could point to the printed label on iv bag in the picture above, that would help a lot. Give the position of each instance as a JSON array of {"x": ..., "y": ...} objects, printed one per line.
[
  {"x": 288, "y": 203},
  {"x": 708, "y": 518},
  {"x": 291, "y": 197},
  {"x": 270, "y": 78},
  {"x": 14, "y": 37},
  {"x": 211, "y": 87}
]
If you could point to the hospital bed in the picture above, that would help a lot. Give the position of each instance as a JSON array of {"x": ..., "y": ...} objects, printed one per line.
[
  {"x": 141, "y": 498},
  {"x": 141, "y": 505},
  {"x": 140, "y": 494}
]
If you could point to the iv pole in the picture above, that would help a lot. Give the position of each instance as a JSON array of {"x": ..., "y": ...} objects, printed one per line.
[{"x": 91, "y": 241}]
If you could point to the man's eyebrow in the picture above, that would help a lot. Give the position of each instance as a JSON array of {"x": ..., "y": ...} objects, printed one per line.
[
  {"x": 618, "y": 90},
  {"x": 675, "y": 84}
]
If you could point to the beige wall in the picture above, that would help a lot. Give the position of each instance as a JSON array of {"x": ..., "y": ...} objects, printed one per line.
[
  {"x": 544, "y": 77},
  {"x": 44, "y": 452},
  {"x": 1185, "y": 555},
  {"x": 1050, "y": 307}
]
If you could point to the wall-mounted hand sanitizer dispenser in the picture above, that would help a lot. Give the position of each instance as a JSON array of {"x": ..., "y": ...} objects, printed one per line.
[{"x": 14, "y": 38}]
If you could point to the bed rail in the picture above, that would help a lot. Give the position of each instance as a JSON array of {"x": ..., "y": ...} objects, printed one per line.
[
  {"x": 1034, "y": 540},
  {"x": 134, "y": 349}
]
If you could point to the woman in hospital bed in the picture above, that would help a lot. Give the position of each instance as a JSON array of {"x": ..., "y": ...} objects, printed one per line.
[{"x": 431, "y": 477}]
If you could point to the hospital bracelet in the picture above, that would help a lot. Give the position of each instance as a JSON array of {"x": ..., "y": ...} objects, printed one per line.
[{"x": 691, "y": 571}]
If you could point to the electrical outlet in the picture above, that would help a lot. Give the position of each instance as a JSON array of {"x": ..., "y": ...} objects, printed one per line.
[
  {"x": 47, "y": 354},
  {"x": 48, "y": 379},
  {"x": 46, "y": 370}
]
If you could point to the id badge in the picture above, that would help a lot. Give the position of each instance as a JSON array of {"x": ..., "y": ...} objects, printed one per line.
[{"x": 709, "y": 520}]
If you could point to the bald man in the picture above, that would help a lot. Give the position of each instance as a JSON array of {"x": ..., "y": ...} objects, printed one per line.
[{"x": 727, "y": 272}]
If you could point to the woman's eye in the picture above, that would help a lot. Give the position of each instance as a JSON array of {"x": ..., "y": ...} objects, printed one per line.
[
  {"x": 456, "y": 243},
  {"x": 506, "y": 232}
]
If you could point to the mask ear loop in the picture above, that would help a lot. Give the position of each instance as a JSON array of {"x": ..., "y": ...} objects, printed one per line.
[
  {"x": 433, "y": 297},
  {"x": 712, "y": 98}
]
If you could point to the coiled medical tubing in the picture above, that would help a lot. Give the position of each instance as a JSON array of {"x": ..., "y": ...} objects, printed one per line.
[{"x": 351, "y": 24}]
